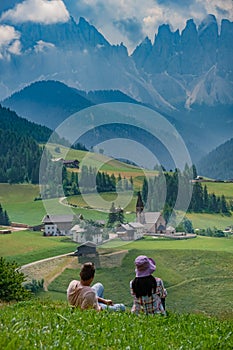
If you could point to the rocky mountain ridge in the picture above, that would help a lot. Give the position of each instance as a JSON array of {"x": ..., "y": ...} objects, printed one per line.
[{"x": 175, "y": 72}]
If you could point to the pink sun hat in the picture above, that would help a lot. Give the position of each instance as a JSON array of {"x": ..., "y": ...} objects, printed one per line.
[{"x": 144, "y": 266}]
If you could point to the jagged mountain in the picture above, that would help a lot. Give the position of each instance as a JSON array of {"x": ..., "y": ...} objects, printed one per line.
[
  {"x": 218, "y": 163},
  {"x": 166, "y": 74},
  {"x": 186, "y": 76},
  {"x": 192, "y": 67}
]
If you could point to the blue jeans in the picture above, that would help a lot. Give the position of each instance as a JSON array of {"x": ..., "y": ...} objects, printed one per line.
[{"x": 99, "y": 291}]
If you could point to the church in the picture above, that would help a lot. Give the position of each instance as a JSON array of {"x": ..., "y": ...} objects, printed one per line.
[{"x": 153, "y": 222}]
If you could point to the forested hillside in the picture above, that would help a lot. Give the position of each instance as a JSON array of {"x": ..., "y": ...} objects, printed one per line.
[
  {"x": 20, "y": 152},
  {"x": 19, "y": 158},
  {"x": 9, "y": 120},
  {"x": 218, "y": 163}
]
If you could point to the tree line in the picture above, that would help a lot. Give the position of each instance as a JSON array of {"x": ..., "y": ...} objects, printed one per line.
[
  {"x": 88, "y": 180},
  {"x": 161, "y": 192}
]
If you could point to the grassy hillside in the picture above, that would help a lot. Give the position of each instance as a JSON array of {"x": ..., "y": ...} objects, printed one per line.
[
  {"x": 198, "y": 276},
  {"x": 220, "y": 188},
  {"x": 18, "y": 200},
  {"x": 36, "y": 325},
  {"x": 26, "y": 246}
]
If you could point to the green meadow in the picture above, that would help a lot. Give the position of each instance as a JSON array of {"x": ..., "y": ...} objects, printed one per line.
[
  {"x": 197, "y": 273},
  {"x": 18, "y": 200},
  {"x": 48, "y": 325},
  {"x": 27, "y": 246},
  {"x": 220, "y": 188}
]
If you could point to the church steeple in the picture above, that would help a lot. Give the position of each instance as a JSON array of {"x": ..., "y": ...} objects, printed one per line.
[
  {"x": 140, "y": 217},
  {"x": 139, "y": 204}
]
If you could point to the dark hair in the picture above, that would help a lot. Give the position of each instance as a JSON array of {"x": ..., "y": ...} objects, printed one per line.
[
  {"x": 87, "y": 271},
  {"x": 144, "y": 286}
]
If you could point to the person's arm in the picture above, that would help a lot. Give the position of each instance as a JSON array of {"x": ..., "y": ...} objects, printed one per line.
[
  {"x": 105, "y": 301},
  {"x": 131, "y": 288},
  {"x": 160, "y": 290}
]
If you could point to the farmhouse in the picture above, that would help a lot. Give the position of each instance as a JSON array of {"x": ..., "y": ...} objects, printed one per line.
[
  {"x": 81, "y": 235},
  {"x": 87, "y": 249},
  {"x": 57, "y": 225},
  {"x": 68, "y": 163},
  {"x": 130, "y": 231}
]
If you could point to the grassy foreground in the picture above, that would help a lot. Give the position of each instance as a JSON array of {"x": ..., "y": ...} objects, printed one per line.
[{"x": 47, "y": 325}]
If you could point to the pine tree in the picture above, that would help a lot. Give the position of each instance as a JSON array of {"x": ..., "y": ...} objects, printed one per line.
[
  {"x": 145, "y": 190},
  {"x": 224, "y": 208},
  {"x": 112, "y": 216},
  {"x": 120, "y": 215},
  {"x": 6, "y": 219},
  {"x": 197, "y": 198},
  {"x": 205, "y": 198}
]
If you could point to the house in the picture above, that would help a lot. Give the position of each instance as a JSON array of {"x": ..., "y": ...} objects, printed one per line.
[
  {"x": 68, "y": 163},
  {"x": 81, "y": 235},
  {"x": 170, "y": 230},
  {"x": 130, "y": 231},
  {"x": 87, "y": 249},
  {"x": 57, "y": 225},
  {"x": 71, "y": 163}
]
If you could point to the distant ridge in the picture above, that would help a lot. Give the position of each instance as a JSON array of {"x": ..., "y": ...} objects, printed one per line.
[{"x": 218, "y": 163}]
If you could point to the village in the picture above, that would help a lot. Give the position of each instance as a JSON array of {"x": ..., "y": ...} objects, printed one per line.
[{"x": 146, "y": 224}]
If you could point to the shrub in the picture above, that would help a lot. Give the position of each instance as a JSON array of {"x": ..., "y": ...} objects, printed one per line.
[
  {"x": 35, "y": 286},
  {"x": 11, "y": 282}
]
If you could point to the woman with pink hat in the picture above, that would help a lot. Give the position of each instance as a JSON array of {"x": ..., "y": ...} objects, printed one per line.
[{"x": 148, "y": 291}]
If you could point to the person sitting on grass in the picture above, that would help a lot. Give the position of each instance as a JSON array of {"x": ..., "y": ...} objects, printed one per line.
[
  {"x": 148, "y": 291},
  {"x": 80, "y": 294}
]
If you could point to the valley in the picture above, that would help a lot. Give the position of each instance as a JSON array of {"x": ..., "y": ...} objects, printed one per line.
[{"x": 113, "y": 147}]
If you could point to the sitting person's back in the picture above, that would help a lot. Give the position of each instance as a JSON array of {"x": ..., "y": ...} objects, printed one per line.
[
  {"x": 148, "y": 291},
  {"x": 80, "y": 294}
]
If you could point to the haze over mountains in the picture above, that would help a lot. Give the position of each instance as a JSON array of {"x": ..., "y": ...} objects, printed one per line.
[
  {"x": 186, "y": 75},
  {"x": 178, "y": 69}
]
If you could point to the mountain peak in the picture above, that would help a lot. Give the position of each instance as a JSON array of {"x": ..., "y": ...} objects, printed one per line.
[
  {"x": 90, "y": 34},
  {"x": 207, "y": 23}
]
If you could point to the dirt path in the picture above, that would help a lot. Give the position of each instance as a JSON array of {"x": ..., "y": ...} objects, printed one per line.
[{"x": 49, "y": 269}]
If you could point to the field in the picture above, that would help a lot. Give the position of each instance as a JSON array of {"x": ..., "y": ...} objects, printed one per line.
[
  {"x": 26, "y": 246},
  {"x": 197, "y": 274},
  {"x": 220, "y": 188},
  {"x": 189, "y": 268},
  {"x": 48, "y": 325},
  {"x": 18, "y": 200}
]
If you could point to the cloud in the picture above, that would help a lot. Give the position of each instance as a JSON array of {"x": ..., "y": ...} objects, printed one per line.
[
  {"x": 9, "y": 41},
  {"x": 127, "y": 21},
  {"x": 40, "y": 11},
  {"x": 131, "y": 20},
  {"x": 131, "y": 28},
  {"x": 43, "y": 46}
]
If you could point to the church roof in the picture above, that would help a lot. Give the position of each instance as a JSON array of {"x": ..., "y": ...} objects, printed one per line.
[{"x": 152, "y": 217}]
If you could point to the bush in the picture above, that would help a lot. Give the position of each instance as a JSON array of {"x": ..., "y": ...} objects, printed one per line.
[
  {"x": 11, "y": 282},
  {"x": 35, "y": 286}
]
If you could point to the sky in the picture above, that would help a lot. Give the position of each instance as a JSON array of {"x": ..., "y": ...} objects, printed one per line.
[{"x": 127, "y": 21}]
